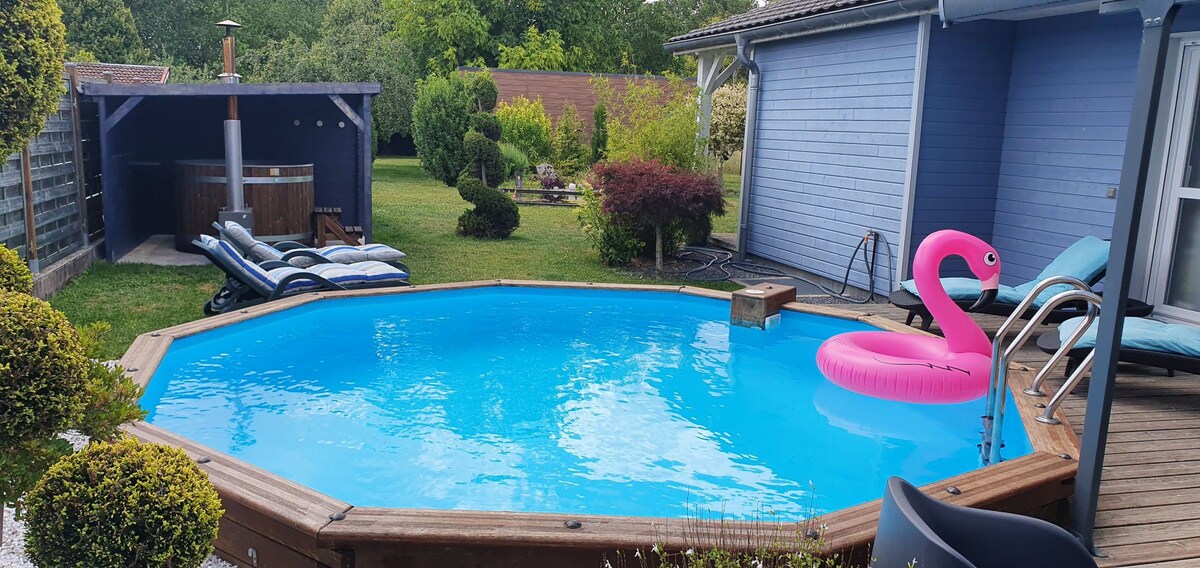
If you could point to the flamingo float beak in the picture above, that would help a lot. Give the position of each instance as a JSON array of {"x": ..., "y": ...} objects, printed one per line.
[{"x": 987, "y": 295}]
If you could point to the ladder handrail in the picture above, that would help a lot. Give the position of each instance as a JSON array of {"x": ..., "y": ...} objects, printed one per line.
[
  {"x": 1093, "y": 311},
  {"x": 1015, "y": 316},
  {"x": 1084, "y": 366},
  {"x": 993, "y": 419}
]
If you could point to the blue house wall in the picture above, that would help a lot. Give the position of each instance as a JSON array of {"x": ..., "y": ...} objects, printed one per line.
[
  {"x": 831, "y": 145},
  {"x": 962, "y": 132},
  {"x": 1023, "y": 127},
  {"x": 1068, "y": 110}
]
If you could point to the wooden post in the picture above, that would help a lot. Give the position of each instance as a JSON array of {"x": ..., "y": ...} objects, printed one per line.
[
  {"x": 77, "y": 138},
  {"x": 31, "y": 254}
]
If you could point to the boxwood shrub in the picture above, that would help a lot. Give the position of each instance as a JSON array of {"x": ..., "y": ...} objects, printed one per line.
[
  {"x": 125, "y": 504},
  {"x": 14, "y": 274},
  {"x": 43, "y": 372}
]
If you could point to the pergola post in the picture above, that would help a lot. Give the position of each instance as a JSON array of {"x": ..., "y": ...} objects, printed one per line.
[
  {"x": 1157, "y": 18},
  {"x": 709, "y": 77}
]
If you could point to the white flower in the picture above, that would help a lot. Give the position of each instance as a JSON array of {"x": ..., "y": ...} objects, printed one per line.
[
  {"x": 637, "y": 553},
  {"x": 655, "y": 548},
  {"x": 607, "y": 564},
  {"x": 690, "y": 551}
]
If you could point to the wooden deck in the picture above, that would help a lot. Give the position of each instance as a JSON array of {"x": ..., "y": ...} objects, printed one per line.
[{"x": 1150, "y": 492}]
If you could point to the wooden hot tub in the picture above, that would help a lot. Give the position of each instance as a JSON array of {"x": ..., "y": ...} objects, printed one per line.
[{"x": 280, "y": 195}]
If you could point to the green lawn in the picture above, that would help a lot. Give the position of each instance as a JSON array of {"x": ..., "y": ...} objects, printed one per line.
[
  {"x": 412, "y": 212},
  {"x": 732, "y": 181}
]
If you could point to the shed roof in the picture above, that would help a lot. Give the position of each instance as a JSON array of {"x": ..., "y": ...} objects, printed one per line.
[
  {"x": 121, "y": 73},
  {"x": 226, "y": 89}
]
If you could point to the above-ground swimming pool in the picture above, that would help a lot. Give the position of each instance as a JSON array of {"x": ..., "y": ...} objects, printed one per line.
[{"x": 556, "y": 401}]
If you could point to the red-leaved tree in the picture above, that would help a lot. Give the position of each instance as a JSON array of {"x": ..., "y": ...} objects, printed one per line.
[{"x": 660, "y": 196}]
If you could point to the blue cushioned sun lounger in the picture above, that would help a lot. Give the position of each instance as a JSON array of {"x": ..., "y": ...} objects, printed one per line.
[
  {"x": 1085, "y": 260},
  {"x": 301, "y": 256},
  {"x": 248, "y": 283},
  {"x": 1174, "y": 347}
]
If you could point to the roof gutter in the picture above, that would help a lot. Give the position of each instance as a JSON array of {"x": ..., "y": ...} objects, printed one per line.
[
  {"x": 745, "y": 58},
  {"x": 828, "y": 21}
]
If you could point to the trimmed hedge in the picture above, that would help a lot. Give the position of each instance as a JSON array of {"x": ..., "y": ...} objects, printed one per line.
[
  {"x": 14, "y": 274},
  {"x": 33, "y": 46},
  {"x": 124, "y": 504},
  {"x": 43, "y": 373}
]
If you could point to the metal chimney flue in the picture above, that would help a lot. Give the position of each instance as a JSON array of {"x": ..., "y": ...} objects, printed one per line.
[{"x": 235, "y": 209}]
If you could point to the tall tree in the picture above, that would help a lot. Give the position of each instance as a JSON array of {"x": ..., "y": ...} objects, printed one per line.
[
  {"x": 540, "y": 51},
  {"x": 183, "y": 31},
  {"x": 442, "y": 34},
  {"x": 103, "y": 28},
  {"x": 356, "y": 44}
]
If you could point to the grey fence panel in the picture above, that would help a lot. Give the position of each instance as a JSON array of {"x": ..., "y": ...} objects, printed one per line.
[
  {"x": 12, "y": 205},
  {"x": 58, "y": 216}
]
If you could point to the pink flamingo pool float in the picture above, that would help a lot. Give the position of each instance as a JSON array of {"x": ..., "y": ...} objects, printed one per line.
[{"x": 916, "y": 368}]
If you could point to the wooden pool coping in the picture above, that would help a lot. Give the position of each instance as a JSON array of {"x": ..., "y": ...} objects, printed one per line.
[{"x": 291, "y": 523}]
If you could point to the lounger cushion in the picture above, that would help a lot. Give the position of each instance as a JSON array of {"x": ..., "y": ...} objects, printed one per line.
[
  {"x": 259, "y": 251},
  {"x": 1142, "y": 333},
  {"x": 968, "y": 289},
  {"x": 255, "y": 250},
  {"x": 347, "y": 254},
  {"x": 1085, "y": 260}
]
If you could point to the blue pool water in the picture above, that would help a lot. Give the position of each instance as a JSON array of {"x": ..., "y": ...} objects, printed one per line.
[{"x": 551, "y": 400}]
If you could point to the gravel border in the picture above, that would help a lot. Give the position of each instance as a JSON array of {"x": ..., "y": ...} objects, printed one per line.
[{"x": 12, "y": 552}]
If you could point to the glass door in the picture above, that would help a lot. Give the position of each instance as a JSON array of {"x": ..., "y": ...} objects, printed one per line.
[{"x": 1175, "y": 272}]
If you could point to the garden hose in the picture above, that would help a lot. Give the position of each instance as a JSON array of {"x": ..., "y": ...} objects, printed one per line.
[{"x": 710, "y": 259}]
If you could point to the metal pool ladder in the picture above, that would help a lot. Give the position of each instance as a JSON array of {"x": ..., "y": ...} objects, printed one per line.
[{"x": 993, "y": 417}]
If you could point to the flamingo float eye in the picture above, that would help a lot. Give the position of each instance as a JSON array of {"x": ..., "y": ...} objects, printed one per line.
[{"x": 990, "y": 259}]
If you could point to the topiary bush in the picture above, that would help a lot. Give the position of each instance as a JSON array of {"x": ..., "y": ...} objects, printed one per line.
[
  {"x": 487, "y": 125},
  {"x": 483, "y": 90},
  {"x": 125, "y": 504},
  {"x": 32, "y": 49},
  {"x": 14, "y": 274},
  {"x": 486, "y": 162},
  {"x": 440, "y": 119},
  {"x": 495, "y": 215},
  {"x": 43, "y": 372}
]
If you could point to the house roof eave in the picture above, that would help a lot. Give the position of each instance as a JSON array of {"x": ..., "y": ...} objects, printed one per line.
[{"x": 817, "y": 23}]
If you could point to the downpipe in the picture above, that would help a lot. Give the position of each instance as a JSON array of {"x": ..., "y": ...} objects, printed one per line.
[{"x": 744, "y": 56}]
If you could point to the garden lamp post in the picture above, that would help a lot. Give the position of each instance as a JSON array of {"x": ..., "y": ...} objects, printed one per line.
[{"x": 235, "y": 209}]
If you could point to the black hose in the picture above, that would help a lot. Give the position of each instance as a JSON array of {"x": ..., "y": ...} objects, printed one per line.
[{"x": 709, "y": 259}]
